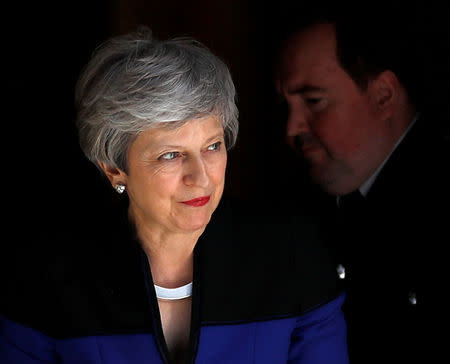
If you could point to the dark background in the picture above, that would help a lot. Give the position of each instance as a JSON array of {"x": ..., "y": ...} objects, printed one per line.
[{"x": 45, "y": 45}]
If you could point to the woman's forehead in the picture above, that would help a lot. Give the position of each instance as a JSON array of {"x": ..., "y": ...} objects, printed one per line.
[{"x": 194, "y": 130}]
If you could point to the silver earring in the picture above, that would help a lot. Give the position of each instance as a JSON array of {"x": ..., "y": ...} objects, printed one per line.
[{"x": 119, "y": 188}]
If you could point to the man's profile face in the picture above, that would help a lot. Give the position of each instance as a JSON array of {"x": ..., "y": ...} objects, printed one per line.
[{"x": 331, "y": 121}]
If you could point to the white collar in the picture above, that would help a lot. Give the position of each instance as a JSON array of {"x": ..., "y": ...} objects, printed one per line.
[
  {"x": 365, "y": 187},
  {"x": 174, "y": 293}
]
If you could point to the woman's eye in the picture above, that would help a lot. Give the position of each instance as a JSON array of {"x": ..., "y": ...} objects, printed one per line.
[
  {"x": 169, "y": 156},
  {"x": 215, "y": 146}
]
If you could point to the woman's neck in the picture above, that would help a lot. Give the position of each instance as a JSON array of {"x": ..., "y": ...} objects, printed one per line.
[
  {"x": 169, "y": 271},
  {"x": 170, "y": 254}
]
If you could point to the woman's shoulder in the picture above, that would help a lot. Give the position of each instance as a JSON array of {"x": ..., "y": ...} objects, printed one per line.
[{"x": 65, "y": 274}]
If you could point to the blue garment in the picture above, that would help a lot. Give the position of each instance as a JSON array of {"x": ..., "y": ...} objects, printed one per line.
[
  {"x": 263, "y": 292},
  {"x": 315, "y": 337}
]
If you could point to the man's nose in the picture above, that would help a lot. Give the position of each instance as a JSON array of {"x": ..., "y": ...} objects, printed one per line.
[
  {"x": 298, "y": 120},
  {"x": 196, "y": 172}
]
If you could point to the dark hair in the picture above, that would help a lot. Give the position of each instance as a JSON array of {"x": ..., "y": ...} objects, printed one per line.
[{"x": 370, "y": 39}]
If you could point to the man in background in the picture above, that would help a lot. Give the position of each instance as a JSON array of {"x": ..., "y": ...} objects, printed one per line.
[{"x": 358, "y": 116}]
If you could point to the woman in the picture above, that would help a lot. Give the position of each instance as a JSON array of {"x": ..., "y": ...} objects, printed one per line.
[{"x": 160, "y": 283}]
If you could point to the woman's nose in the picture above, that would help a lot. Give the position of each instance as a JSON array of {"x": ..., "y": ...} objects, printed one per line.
[{"x": 196, "y": 172}]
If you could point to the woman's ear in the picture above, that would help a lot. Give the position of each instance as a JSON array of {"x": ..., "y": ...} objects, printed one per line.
[
  {"x": 384, "y": 91},
  {"x": 115, "y": 175}
]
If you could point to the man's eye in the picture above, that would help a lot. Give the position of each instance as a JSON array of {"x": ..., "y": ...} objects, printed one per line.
[
  {"x": 317, "y": 103},
  {"x": 169, "y": 156},
  {"x": 313, "y": 100},
  {"x": 215, "y": 146}
]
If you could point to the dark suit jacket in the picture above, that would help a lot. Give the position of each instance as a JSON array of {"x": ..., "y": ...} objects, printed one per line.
[{"x": 392, "y": 249}]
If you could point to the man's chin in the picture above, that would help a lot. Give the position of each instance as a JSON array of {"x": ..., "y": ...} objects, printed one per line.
[
  {"x": 322, "y": 175},
  {"x": 333, "y": 182}
]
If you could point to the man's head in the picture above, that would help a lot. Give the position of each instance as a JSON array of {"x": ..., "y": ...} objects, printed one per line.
[{"x": 345, "y": 114}]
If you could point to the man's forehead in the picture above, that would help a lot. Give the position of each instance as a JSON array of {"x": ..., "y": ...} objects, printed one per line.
[
  {"x": 312, "y": 44},
  {"x": 307, "y": 59},
  {"x": 303, "y": 77}
]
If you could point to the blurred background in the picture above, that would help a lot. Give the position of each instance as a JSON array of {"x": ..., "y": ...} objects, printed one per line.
[{"x": 46, "y": 44}]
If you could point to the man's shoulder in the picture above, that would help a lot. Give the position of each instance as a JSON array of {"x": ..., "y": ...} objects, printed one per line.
[{"x": 420, "y": 164}]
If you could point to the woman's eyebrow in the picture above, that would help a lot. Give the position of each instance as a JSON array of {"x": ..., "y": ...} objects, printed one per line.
[
  {"x": 160, "y": 145},
  {"x": 218, "y": 135}
]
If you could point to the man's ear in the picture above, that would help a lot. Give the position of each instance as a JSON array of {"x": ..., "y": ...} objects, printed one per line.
[
  {"x": 384, "y": 93},
  {"x": 115, "y": 175}
]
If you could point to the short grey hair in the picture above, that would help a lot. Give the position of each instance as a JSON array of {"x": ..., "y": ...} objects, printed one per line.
[{"x": 135, "y": 82}]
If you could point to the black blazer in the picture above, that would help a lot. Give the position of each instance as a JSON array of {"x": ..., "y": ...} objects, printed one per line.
[{"x": 392, "y": 249}]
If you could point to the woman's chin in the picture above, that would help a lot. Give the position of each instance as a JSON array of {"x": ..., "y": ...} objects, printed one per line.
[{"x": 194, "y": 223}]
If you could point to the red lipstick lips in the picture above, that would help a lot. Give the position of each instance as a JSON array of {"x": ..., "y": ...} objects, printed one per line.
[{"x": 197, "y": 202}]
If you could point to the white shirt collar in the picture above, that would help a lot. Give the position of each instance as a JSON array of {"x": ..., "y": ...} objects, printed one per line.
[{"x": 365, "y": 187}]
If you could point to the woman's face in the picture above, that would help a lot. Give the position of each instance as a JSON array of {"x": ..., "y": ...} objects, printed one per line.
[{"x": 176, "y": 177}]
